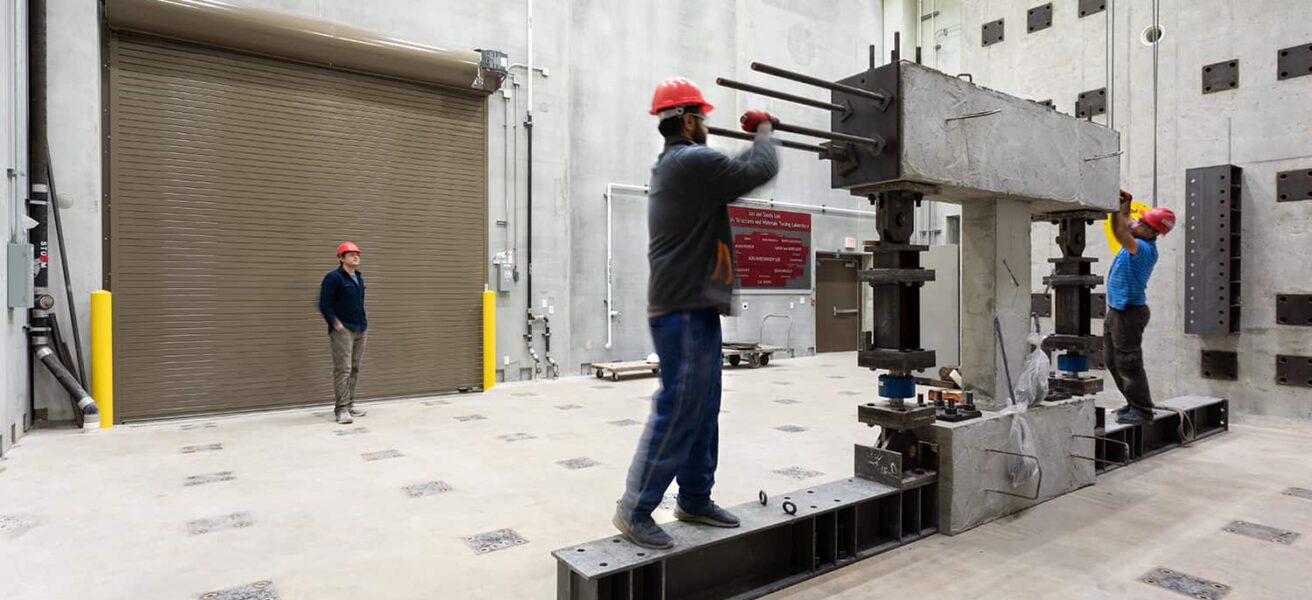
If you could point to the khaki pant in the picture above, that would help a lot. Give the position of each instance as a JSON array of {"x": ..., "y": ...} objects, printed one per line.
[{"x": 348, "y": 352}]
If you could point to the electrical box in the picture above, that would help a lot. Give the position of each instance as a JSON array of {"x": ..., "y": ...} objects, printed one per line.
[
  {"x": 505, "y": 277},
  {"x": 20, "y": 273}
]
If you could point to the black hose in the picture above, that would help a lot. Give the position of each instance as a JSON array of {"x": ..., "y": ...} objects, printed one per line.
[
  {"x": 90, "y": 412},
  {"x": 63, "y": 262}
]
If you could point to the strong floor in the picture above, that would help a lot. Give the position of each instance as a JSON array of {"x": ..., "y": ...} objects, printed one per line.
[{"x": 291, "y": 505}]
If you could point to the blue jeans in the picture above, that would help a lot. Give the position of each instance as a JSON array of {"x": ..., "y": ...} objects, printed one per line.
[{"x": 682, "y": 437}]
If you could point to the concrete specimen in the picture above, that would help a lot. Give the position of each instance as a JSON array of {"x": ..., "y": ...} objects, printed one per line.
[{"x": 973, "y": 484}]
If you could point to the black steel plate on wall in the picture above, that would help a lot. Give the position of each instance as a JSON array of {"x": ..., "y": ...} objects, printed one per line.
[
  {"x": 1292, "y": 186},
  {"x": 1091, "y": 7},
  {"x": 1039, "y": 17},
  {"x": 1294, "y": 370},
  {"x": 1212, "y": 269},
  {"x": 991, "y": 33},
  {"x": 1090, "y": 103},
  {"x": 1294, "y": 61},
  {"x": 1294, "y": 309},
  {"x": 1041, "y": 304},
  {"x": 1222, "y": 76},
  {"x": 1098, "y": 305},
  {"x": 1217, "y": 364},
  {"x": 1048, "y": 103}
]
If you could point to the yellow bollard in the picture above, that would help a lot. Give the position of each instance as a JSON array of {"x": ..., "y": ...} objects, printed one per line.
[
  {"x": 489, "y": 339},
  {"x": 102, "y": 355}
]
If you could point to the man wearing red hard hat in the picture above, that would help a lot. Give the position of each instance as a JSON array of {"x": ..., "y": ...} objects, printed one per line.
[
  {"x": 1127, "y": 305},
  {"x": 691, "y": 285},
  {"x": 341, "y": 300}
]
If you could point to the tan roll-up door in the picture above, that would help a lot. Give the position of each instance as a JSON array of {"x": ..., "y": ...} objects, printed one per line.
[{"x": 232, "y": 178}]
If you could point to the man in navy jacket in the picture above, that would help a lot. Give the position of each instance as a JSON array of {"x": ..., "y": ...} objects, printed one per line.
[{"x": 341, "y": 300}]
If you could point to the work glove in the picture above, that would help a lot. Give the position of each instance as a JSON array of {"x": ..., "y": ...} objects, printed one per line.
[
  {"x": 754, "y": 118},
  {"x": 1126, "y": 197}
]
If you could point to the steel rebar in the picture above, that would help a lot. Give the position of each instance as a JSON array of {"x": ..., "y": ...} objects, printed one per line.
[
  {"x": 816, "y": 81},
  {"x": 755, "y": 89},
  {"x": 1038, "y": 486},
  {"x": 973, "y": 115}
]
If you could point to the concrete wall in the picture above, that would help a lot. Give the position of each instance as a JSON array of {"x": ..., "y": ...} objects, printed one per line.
[
  {"x": 590, "y": 128},
  {"x": 701, "y": 41},
  {"x": 1262, "y": 126},
  {"x": 13, "y": 159}
]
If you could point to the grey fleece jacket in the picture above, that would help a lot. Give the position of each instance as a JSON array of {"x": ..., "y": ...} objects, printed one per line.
[{"x": 691, "y": 247}]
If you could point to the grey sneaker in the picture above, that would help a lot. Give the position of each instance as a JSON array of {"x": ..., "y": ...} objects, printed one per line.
[
  {"x": 356, "y": 412},
  {"x": 1124, "y": 409},
  {"x": 712, "y": 515},
  {"x": 344, "y": 416},
  {"x": 642, "y": 531}
]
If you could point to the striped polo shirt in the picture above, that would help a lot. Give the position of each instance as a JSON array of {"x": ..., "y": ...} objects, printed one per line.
[{"x": 1127, "y": 282}]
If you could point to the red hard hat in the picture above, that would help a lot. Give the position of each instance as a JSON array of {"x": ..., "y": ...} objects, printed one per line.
[
  {"x": 674, "y": 92},
  {"x": 347, "y": 247},
  {"x": 1161, "y": 219}
]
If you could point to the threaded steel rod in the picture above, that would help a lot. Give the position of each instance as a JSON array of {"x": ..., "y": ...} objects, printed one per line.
[
  {"x": 754, "y": 89},
  {"x": 816, "y": 81},
  {"x": 829, "y": 135},
  {"x": 740, "y": 135}
]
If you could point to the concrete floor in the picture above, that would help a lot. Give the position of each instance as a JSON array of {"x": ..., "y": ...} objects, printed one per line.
[{"x": 110, "y": 514}]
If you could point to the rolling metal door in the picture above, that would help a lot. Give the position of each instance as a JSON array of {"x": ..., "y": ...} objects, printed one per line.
[{"x": 232, "y": 178}]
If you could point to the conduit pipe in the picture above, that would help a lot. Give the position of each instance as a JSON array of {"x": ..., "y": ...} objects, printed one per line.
[
  {"x": 611, "y": 188},
  {"x": 611, "y": 313}
]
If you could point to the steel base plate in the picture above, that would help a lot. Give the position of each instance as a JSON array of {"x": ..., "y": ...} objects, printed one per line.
[
  {"x": 961, "y": 414},
  {"x": 1076, "y": 386},
  {"x": 902, "y": 418},
  {"x": 896, "y": 360},
  {"x": 1084, "y": 344}
]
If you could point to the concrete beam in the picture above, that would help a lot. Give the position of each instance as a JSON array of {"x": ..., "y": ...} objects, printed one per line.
[
  {"x": 1024, "y": 150},
  {"x": 970, "y": 144}
]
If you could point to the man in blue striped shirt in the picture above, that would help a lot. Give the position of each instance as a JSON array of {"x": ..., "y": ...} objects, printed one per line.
[{"x": 1127, "y": 305}]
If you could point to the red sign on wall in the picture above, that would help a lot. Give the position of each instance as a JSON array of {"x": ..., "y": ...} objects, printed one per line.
[{"x": 772, "y": 249}]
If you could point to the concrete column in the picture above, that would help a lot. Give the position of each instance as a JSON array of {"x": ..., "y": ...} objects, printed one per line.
[{"x": 995, "y": 282}]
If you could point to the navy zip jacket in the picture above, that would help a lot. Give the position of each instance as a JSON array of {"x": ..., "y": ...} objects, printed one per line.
[
  {"x": 691, "y": 245},
  {"x": 341, "y": 298}
]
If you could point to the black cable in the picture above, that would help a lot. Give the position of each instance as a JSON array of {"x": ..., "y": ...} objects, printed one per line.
[{"x": 63, "y": 261}]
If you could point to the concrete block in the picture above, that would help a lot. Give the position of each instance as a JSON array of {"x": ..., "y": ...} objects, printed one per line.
[{"x": 967, "y": 470}]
